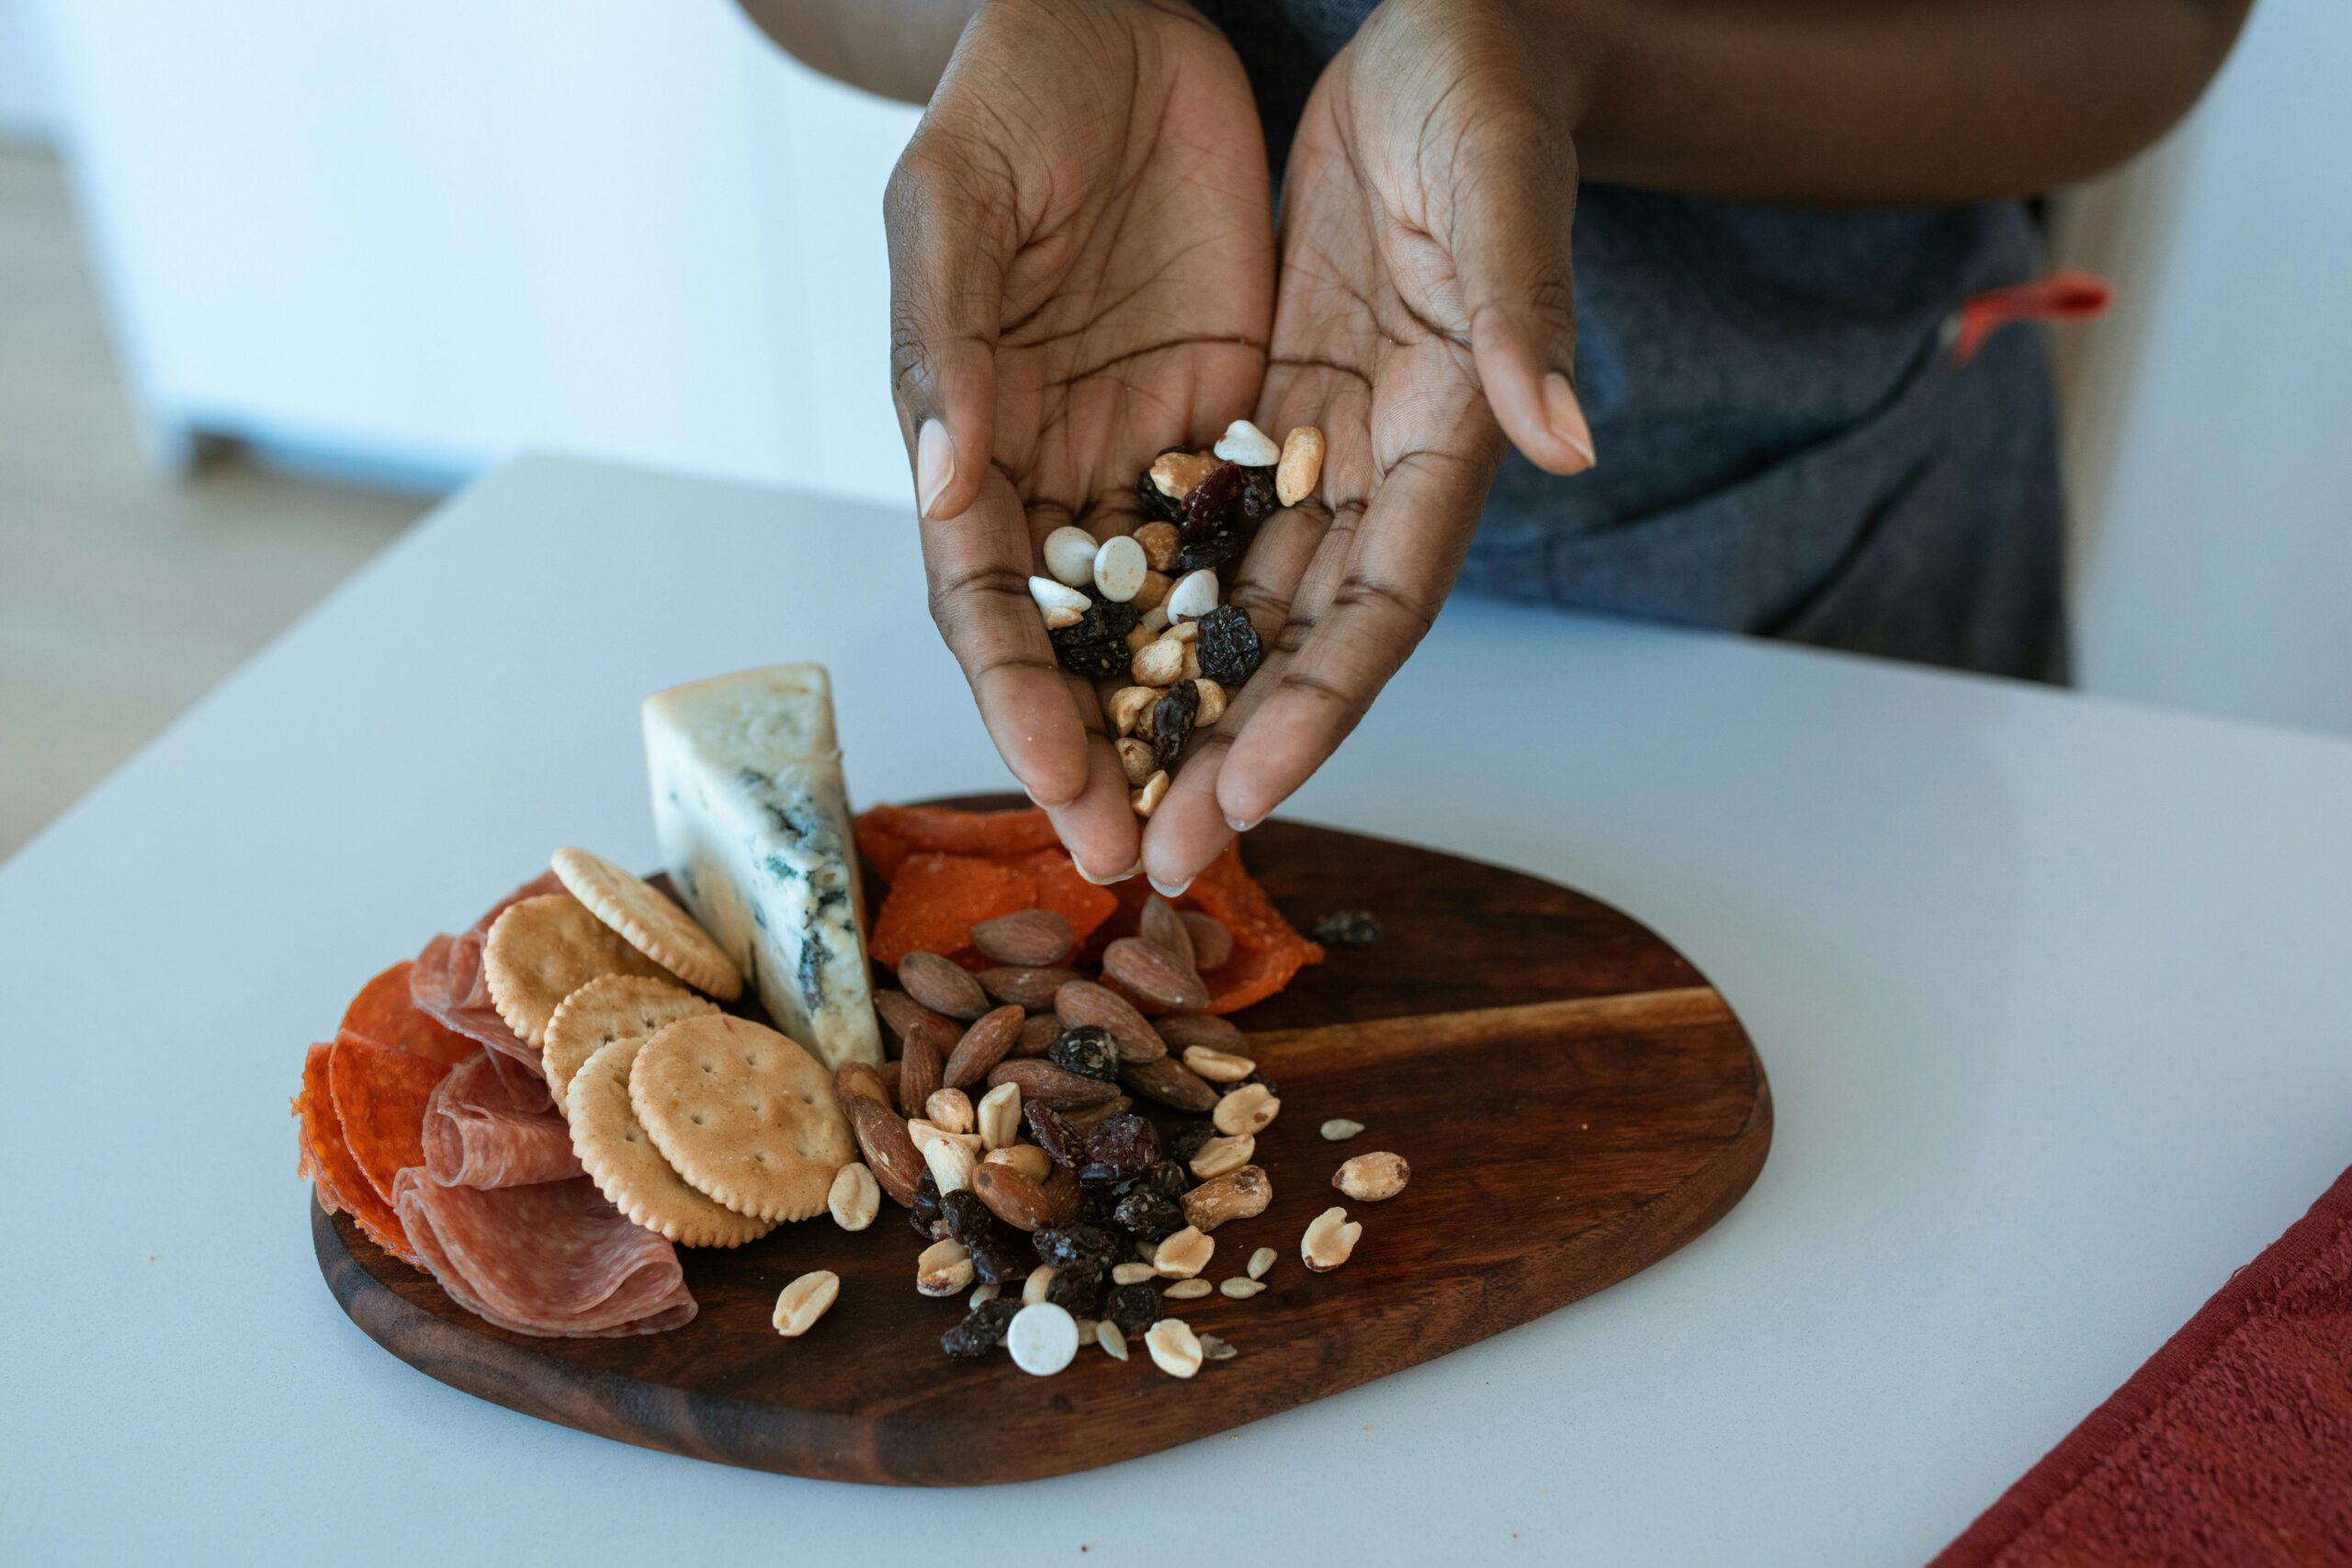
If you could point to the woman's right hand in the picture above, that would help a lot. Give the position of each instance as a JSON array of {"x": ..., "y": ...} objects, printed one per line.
[{"x": 1082, "y": 274}]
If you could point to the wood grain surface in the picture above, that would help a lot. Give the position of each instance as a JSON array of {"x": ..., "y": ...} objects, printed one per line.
[{"x": 1574, "y": 1099}]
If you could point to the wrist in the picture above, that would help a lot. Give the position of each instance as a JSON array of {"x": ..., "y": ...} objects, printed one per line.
[{"x": 1564, "y": 46}]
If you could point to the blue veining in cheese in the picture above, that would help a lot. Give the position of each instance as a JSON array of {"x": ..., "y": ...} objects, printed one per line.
[{"x": 753, "y": 820}]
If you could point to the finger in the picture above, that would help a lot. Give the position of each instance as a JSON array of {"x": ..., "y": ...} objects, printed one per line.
[
  {"x": 979, "y": 568},
  {"x": 1099, "y": 828},
  {"x": 1400, "y": 565},
  {"x": 1508, "y": 228},
  {"x": 951, "y": 237},
  {"x": 1189, "y": 830}
]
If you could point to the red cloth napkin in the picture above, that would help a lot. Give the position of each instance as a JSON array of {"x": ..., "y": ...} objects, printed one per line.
[{"x": 2233, "y": 1445}]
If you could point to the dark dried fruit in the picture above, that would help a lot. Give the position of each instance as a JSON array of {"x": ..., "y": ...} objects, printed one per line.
[
  {"x": 1097, "y": 1204},
  {"x": 1189, "y": 1139},
  {"x": 1133, "y": 1307},
  {"x": 924, "y": 1213},
  {"x": 1120, "y": 1149},
  {"x": 1172, "y": 722},
  {"x": 999, "y": 1255},
  {"x": 1260, "y": 1078},
  {"x": 1346, "y": 928},
  {"x": 1063, "y": 1144},
  {"x": 1148, "y": 1215},
  {"x": 1087, "y": 1050},
  {"x": 1212, "y": 529},
  {"x": 1078, "y": 1289},
  {"x": 965, "y": 1215},
  {"x": 982, "y": 1329},
  {"x": 1168, "y": 1178},
  {"x": 1229, "y": 650},
  {"x": 1156, "y": 507},
  {"x": 1075, "y": 1245},
  {"x": 1097, "y": 644},
  {"x": 1258, "y": 501}
]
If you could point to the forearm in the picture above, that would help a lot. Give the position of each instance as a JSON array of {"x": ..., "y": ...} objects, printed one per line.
[
  {"x": 896, "y": 47},
  {"x": 1871, "y": 102}
]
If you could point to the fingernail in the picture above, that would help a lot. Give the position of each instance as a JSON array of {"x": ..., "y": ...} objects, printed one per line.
[
  {"x": 934, "y": 463},
  {"x": 1107, "y": 881},
  {"x": 1238, "y": 826},
  {"x": 1165, "y": 891},
  {"x": 1566, "y": 416}
]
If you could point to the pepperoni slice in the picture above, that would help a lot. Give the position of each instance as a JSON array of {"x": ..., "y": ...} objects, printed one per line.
[
  {"x": 336, "y": 1177},
  {"x": 379, "y": 1098},
  {"x": 385, "y": 1011}
]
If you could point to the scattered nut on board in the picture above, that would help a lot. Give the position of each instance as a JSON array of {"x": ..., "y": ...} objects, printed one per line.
[
  {"x": 1186, "y": 1291},
  {"x": 1184, "y": 1254},
  {"x": 856, "y": 1197},
  {"x": 1260, "y": 1261},
  {"x": 802, "y": 1302},
  {"x": 1175, "y": 1350},
  {"x": 1249, "y": 1109},
  {"x": 1370, "y": 1177},
  {"x": 1331, "y": 1240},
  {"x": 1339, "y": 1130}
]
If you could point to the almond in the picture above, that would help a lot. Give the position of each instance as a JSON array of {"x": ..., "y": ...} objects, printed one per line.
[
  {"x": 1084, "y": 1118},
  {"x": 1183, "y": 1031},
  {"x": 1032, "y": 939},
  {"x": 900, "y": 1013},
  {"x": 1162, "y": 927},
  {"x": 1156, "y": 975},
  {"x": 1212, "y": 943},
  {"x": 859, "y": 1078},
  {"x": 1082, "y": 1003},
  {"x": 890, "y": 1152},
  {"x": 1042, "y": 1083},
  {"x": 1169, "y": 1082},
  {"x": 1012, "y": 1196},
  {"x": 1030, "y": 988},
  {"x": 1063, "y": 1198},
  {"x": 982, "y": 1047},
  {"x": 941, "y": 985},
  {"x": 918, "y": 1069},
  {"x": 1038, "y": 1036},
  {"x": 1237, "y": 1195}
]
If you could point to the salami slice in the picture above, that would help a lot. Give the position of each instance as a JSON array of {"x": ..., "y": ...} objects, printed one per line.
[
  {"x": 554, "y": 1260},
  {"x": 447, "y": 981},
  {"x": 385, "y": 1011},
  {"x": 381, "y": 1096},
  {"x": 480, "y": 1130},
  {"x": 336, "y": 1178}
]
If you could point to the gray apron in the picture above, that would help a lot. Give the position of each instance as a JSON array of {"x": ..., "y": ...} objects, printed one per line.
[{"x": 1787, "y": 447}]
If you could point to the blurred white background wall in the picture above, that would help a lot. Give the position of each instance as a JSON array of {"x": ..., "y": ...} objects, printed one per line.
[{"x": 421, "y": 237}]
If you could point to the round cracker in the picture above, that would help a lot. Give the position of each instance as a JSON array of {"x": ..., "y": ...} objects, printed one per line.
[
  {"x": 610, "y": 1008},
  {"x": 627, "y": 1167},
  {"x": 649, "y": 921},
  {"x": 744, "y": 1113},
  {"x": 543, "y": 949}
]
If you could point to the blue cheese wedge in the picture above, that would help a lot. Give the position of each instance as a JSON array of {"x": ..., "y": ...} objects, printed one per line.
[{"x": 754, "y": 825}]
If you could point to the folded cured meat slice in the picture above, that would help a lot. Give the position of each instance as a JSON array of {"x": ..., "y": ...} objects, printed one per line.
[
  {"x": 554, "y": 1260},
  {"x": 381, "y": 1096},
  {"x": 480, "y": 1129},
  {"x": 447, "y": 981},
  {"x": 336, "y": 1178}
]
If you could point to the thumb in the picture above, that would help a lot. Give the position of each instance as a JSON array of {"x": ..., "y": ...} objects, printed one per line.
[
  {"x": 950, "y": 239},
  {"x": 1510, "y": 239}
]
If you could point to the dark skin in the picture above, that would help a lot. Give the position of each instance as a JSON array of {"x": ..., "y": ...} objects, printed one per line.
[{"x": 1058, "y": 319}]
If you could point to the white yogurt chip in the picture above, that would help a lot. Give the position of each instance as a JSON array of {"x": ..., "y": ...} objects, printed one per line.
[
  {"x": 1043, "y": 1338},
  {"x": 1247, "y": 444}
]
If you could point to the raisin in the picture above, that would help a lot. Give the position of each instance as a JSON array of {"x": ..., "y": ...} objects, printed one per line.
[
  {"x": 1078, "y": 1289},
  {"x": 1172, "y": 722},
  {"x": 982, "y": 1329},
  {"x": 1346, "y": 928},
  {"x": 1063, "y": 1144},
  {"x": 1089, "y": 1050},
  {"x": 923, "y": 1212},
  {"x": 1064, "y": 1245},
  {"x": 1119, "y": 1148},
  {"x": 1148, "y": 1215},
  {"x": 1260, "y": 1078},
  {"x": 1213, "y": 531},
  {"x": 1258, "y": 499},
  {"x": 1187, "y": 1141},
  {"x": 1168, "y": 1178},
  {"x": 1097, "y": 644},
  {"x": 1156, "y": 507},
  {"x": 1229, "y": 646},
  {"x": 1099, "y": 1203},
  {"x": 965, "y": 1215},
  {"x": 1133, "y": 1307},
  {"x": 998, "y": 1257}
]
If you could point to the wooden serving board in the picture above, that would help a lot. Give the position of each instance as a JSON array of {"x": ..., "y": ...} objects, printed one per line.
[{"x": 1574, "y": 1099}]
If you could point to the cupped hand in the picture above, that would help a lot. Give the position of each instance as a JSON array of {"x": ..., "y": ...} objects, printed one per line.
[
  {"x": 1423, "y": 315},
  {"x": 1082, "y": 274}
]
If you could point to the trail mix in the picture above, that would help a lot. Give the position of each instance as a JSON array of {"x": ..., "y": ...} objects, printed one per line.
[
  {"x": 1010, "y": 1129},
  {"x": 1148, "y": 605}
]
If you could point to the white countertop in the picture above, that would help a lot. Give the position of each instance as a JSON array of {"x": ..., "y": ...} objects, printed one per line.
[{"x": 2052, "y": 993}]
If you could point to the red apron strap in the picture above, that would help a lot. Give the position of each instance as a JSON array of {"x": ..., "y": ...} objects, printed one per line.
[{"x": 2057, "y": 297}]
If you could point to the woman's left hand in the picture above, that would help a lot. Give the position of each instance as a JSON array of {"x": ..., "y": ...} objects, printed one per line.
[{"x": 1423, "y": 314}]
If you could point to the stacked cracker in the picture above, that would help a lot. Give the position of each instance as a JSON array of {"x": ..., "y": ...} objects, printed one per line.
[{"x": 708, "y": 1129}]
